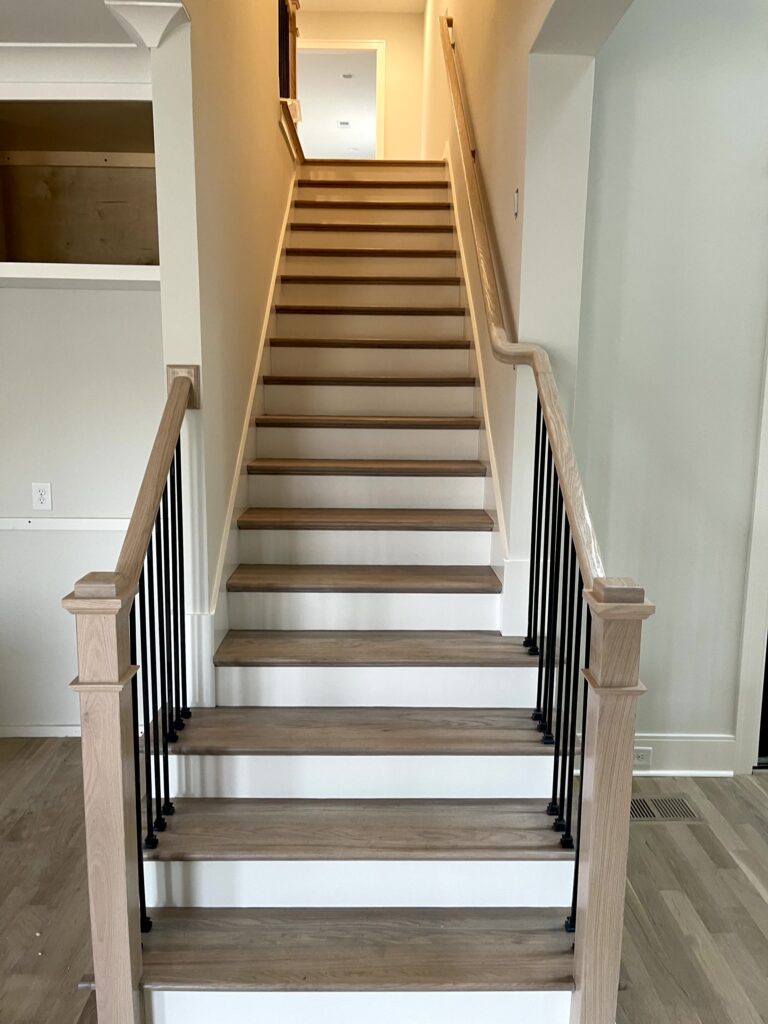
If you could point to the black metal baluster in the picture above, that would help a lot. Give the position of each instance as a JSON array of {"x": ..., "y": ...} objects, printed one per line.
[
  {"x": 173, "y": 601},
  {"x": 185, "y": 712},
  {"x": 146, "y": 924},
  {"x": 535, "y": 646},
  {"x": 167, "y": 735},
  {"x": 554, "y": 596},
  {"x": 164, "y": 619},
  {"x": 570, "y": 923},
  {"x": 566, "y": 569},
  {"x": 564, "y": 732},
  {"x": 566, "y": 840},
  {"x": 150, "y": 839},
  {"x": 158, "y": 728},
  {"x": 538, "y": 714},
  {"x": 529, "y": 639}
]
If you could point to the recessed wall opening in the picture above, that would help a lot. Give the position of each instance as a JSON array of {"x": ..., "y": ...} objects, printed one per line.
[
  {"x": 77, "y": 182},
  {"x": 340, "y": 91}
]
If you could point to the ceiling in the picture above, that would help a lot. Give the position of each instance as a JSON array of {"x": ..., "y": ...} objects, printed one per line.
[
  {"x": 363, "y": 6},
  {"x": 327, "y": 97},
  {"x": 58, "y": 21}
]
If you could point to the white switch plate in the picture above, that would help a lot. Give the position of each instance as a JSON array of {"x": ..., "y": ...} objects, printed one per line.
[
  {"x": 643, "y": 757},
  {"x": 41, "y": 498}
]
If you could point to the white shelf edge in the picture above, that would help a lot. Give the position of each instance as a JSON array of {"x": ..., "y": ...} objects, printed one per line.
[{"x": 78, "y": 275}]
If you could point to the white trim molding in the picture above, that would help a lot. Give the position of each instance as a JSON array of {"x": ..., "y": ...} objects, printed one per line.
[
  {"x": 8, "y": 732},
  {"x": 70, "y": 525},
  {"x": 149, "y": 22},
  {"x": 688, "y": 753}
]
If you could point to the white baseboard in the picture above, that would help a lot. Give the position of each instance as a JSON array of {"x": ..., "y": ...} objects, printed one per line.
[
  {"x": 514, "y": 598},
  {"x": 688, "y": 753},
  {"x": 41, "y": 731}
]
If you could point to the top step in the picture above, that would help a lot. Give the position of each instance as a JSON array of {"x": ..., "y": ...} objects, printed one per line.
[{"x": 409, "y": 170}]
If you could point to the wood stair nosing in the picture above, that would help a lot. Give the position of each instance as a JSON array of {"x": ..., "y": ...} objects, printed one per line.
[
  {"x": 314, "y": 310},
  {"x": 372, "y": 649},
  {"x": 360, "y": 731},
  {"x": 365, "y": 950},
  {"x": 373, "y": 228},
  {"x": 228, "y": 829},
  {"x": 371, "y": 183},
  {"x": 369, "y": 204},
  {"x": 282, "y": 380},
  {"x": 367, "y": 467},
  {"x": 370, "y": 422},
  {"x": 342, "y": 162},
  {"x": 369, "y": 279},
  {"x": 371, "y": 253},
  {"x": 369, "y": 519},
  {"x": 429, "y": 344},
  {"x": 364, "y": 579}
]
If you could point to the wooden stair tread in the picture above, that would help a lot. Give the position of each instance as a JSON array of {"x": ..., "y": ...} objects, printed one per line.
[
  {"x": 370, "y": 183},
  {"x": 375, "y": 228},
  {"x": 367, "y": 467},
  {"x": 416, "y": 829},
  {"x": 315, "y": 310},
  {"x": 378, "y": 382},
  {"x": 366, "y": 252},
  {"x": 342, "y": 162},
  {"x": 365, "y": 519},
  {"x": 369, "y": 949},
  {"x": 371, "y": 422},
  {"x": 365, "y": 579},
  {"x": 367, "y": 279},
  {"x": 359, "y": 731},
  {"x": 433, "y": 344},
  {"x": 368, "y": 204},
  {"x": 372, "y": 648}
]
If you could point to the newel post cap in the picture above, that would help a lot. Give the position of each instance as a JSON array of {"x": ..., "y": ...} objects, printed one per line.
[{"x": 618, "y": 598}]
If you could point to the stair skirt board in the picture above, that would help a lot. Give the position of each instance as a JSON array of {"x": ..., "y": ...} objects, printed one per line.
[
  {"x": 345, "y": 686},
  {"x": 365, "y": 443},
  {"x": 359, "y": 883},
  {"x": 302, "y": 491},
  {"x": 357, "y": 361},
  {"x": 346, "y": 400},
  {"x": 310, "y": 610},
  {"x": 180, "y": 1007},
  {"x": 361, "y": 776},
  {"x": 369, "y": 547}
]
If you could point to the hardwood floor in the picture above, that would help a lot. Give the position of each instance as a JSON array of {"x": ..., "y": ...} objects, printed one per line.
[{"x": 696, "y": 930}]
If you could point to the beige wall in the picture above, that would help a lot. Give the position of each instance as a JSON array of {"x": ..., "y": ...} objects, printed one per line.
[{"x": 404, "y": 38}]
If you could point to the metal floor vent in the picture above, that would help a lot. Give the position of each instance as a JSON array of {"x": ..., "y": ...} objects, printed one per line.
[{"x": 662, "y": 808}]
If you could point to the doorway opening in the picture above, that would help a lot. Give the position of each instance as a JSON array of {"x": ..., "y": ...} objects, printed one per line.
[{"x": 341, "y": 96}]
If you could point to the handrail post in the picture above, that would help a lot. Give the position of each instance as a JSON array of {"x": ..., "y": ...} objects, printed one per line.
[
  {"x": 618, "y": 609},
  {"x": 101, "y": 607}
]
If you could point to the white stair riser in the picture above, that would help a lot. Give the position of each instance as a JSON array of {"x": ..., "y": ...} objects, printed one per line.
[
  {"x": 361, "y": 777},
  {"x": 357, "y": 1007},
  {"x": 377, "y": 193},
  {"x": 377, "y": 239},
  {"x": 355, "y": 325},
  {"x": 365, "y": 491},
  {"x": 374, "y": 171},
  {"x": 346, "y": 215},
  {"x": 365, "y": 443},
  {"x": 367, "y": 294},
  {"x": 408, "y": 266},
  {"x": 359, "y": 883},
  {"x": 403, "y": 361},
  {"x": 365, "y": 547},
  {"x": 362, "y": 611},
  {"x": 368, "y": 400},
  {"x": 371, "y": 686}
]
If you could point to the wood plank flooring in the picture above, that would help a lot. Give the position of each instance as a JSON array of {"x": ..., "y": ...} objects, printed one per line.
[{"x": 696, "y": 928}]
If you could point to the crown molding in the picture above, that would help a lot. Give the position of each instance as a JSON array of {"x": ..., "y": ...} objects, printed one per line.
[{"x": 149, "y": 22}]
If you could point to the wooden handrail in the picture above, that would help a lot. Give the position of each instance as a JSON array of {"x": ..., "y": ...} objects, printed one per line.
[
  {"x": 124, "y": 581},
  {"x": 289, "y": 130},
  {"x": 512, "y": 351}
]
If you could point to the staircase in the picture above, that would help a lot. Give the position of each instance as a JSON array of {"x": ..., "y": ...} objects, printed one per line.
[{"x": 360, "y": 830}]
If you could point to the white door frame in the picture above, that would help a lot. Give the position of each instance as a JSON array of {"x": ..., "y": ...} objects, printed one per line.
[
  {"x": 379, "y": 46},
  {"x": 755, "y": 625}
]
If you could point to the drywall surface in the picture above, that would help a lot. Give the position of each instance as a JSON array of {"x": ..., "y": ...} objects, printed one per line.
[
  {"x": 403, "y": 35},
  {"x": 81, "y": 393},
  {"x": 673, "y": 334},
  {"x": 243, "y": 173}
]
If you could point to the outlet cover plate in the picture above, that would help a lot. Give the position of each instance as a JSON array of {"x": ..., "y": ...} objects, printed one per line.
[
  {"x": 643, "y": 757},
  {"x": 41, "y": 498}
]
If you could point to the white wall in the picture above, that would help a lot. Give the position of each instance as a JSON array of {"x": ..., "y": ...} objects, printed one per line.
[
  {"x": 81, "y": 393},
  {"x": 403, "y": 35},
  {"x": 672, "y": 344}
]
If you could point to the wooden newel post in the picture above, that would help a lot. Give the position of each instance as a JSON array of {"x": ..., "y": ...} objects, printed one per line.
[
  {"x": 618, "y": 609},
  {"x": 101, "y": 607}
]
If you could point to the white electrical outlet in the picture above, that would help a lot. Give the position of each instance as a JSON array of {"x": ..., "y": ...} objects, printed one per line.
[
  {"x": 41, "y": 498},
  {"x": 643, "y": 757}
]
